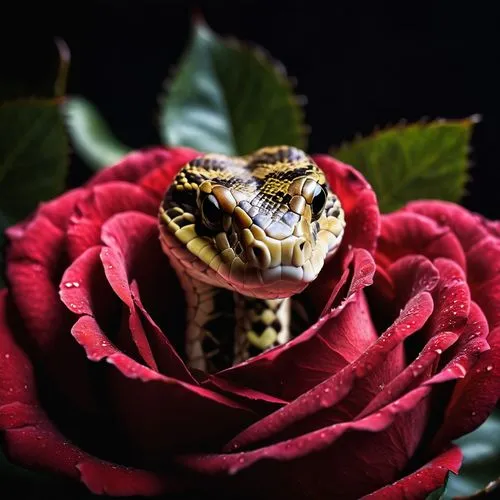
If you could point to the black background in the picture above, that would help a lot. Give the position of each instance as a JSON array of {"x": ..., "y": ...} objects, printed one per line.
[{"x": 360, "y": 64}]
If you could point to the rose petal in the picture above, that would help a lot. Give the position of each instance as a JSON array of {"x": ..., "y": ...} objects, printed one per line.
[
  {"x": 135, "y": 237},
  {"x": 316, "y": 440},
  {"x": 358, "y": 201},
  {"x": 452, "y": 299},
  {"x": 466, "y": 225},
  {"x": 477, "y": 394},
  {"x": 129, "y": 236},
  {"x": 260, "y": 402},
  {"x": 255, "y": 372},
  {"x": 35, "y": 260},
  {"x": 57, "y": 211},
  {"x": 407, "y": 233},
  {"x": 483, "y": 273},
  {"x": 411, "y": 275},
  {"x": 31, "y": 439},
  {"x": 334, "y": 389},
  {"x": 412, "y": 375},
  {"x": 423, "y": 481},
  {"x": 84, "y": 288},
  {"x": 137, "y": 164},
  {"x": 160, "y": 414},
  {"x": 98, "y": 205},
  {"x": 169, "y": 361},
  {"x": 305, "y": 444},
  {"x": 362, "y": 228},
  {"x": 158, "y": 179}
]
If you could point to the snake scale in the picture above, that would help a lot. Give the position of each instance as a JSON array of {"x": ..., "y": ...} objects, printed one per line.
[{"x": 244, "y": 234}]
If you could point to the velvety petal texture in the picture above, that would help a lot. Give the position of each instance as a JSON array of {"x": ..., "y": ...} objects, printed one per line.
[{"x": 401, "y": 355}]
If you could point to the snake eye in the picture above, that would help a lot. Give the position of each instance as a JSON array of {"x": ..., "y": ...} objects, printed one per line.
[
  {"x": 318, "y": 201},
  {"x": 211, "y": 212}
]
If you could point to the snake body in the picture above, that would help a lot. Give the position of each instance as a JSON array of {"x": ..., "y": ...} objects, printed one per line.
[{"x": 244, "y": 234}]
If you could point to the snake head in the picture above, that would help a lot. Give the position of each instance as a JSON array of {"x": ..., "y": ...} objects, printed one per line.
[{"x": 262, "y": 225}]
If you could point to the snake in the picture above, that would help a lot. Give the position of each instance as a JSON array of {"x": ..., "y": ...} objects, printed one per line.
[{"x": 244, "y": 235}]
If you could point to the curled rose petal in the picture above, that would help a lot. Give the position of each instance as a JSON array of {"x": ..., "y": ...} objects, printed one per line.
[
  {"x": 36, "y": 257},
  {"x": 32, "y": 440},
  {"x": 137, "y": 164},
  {"x": 423, "y": 481},
  {"x": 334, "y": 389},
  {"x": 98, "y": 205},
  {"x": 362, "y": 228},
  {"x": 358, "y": 201},
  {"x": 160, "y": 413},
  {"x": 266, "y": 371},
  {"x": 405, "y": 233}
]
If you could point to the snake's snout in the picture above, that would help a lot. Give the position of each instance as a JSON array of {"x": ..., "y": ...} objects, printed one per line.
[{"x": 258, "y": 255}]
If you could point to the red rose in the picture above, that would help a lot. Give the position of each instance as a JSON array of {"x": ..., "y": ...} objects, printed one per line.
[{"x": 403, "y": 357}]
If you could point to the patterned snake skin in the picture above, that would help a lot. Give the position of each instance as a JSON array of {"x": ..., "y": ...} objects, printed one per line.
[{"x": 244, "y": 234}]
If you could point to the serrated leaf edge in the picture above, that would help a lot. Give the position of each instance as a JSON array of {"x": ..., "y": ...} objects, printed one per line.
[{"x": 297, "y": 101}]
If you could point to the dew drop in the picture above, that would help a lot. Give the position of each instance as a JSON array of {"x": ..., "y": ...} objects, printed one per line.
[
  {"x": 473, "y": 413},
  {"x": 68, "y": 284},
  {"x": 439, "y": 351},
  {"x": 7, "y": 356},
  {"x": 104, "y": 343},
  {"x": 327, "y": 389},
  {"x": 489, "y": 368},
  {"x": 241, "y": 460},
  {"x": 76, "y": 284}
]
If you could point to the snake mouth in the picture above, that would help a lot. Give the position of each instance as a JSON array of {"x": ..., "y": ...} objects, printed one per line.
[{"x": 265, "y": 269}]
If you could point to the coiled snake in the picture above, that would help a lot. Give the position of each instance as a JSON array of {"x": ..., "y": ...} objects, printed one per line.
[{"x": 243, "y": 235}]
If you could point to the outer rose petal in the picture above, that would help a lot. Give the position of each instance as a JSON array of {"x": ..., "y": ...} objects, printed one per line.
[
  {"x": 33, "y": 441},
  {"x": 160, "y": 414},
  {"x": 405, "y": 233},
  {"x": 137, "y": 164},
  {"x": 358, "y": 201},
  {"x": 99, "y": 204},
  {"x": 467, "y": 226},
  {"x": 362, "y": 227},
  {"x": 36, "y": 257},
  {"x": 158, "y": 179},
  {"x": 424, "y": 481}
]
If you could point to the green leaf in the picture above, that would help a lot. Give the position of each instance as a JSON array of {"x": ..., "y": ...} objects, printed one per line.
[
  {"x": 90, "y": 135},
  {"x": 440, "y": 493},
  {"x": 421, "y": 160},
  {"x": 229, "y": 98},
  {"x": 33, "y": 155},
  {"x": 480, "y": 470}
]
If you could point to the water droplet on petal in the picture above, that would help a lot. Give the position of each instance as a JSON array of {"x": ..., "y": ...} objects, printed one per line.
[
  {"x": 489, "y": 368},
  {"x": 68, "y": 284},
  {"x": 7, "y": 356}
]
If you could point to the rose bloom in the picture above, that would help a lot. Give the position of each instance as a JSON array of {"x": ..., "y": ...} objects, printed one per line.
[{"x": 400, "y": 359}]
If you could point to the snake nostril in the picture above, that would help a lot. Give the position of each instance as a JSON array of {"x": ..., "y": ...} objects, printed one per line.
[{"x": 259, "y": 253}]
